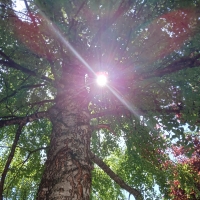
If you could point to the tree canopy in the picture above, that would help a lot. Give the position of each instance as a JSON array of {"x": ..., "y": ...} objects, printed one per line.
[{"x": 148, "y": 111}]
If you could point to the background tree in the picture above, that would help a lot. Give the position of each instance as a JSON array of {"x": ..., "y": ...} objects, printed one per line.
[
  {"x": 190, "y": 165},
  {"x": 50, "y": 54}
]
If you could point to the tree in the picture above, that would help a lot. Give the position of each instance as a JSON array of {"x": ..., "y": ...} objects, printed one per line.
[
  {"x": 190, "y": 165},
  {"x": 50, "y": 54}
]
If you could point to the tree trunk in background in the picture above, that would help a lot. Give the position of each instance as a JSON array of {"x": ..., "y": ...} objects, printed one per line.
[{"x": 68, "y": 169}]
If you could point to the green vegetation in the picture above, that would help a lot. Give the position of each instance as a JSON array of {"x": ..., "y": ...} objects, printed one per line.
[{"x": 151, "y": 51}]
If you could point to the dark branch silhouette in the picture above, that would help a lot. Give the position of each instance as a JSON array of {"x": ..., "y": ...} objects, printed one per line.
[
  {"x": 30, "y": 152},
  {"x": 42, "y": 102},
  {"x": 29, "y": 13},
  {"x": 11, "y": 64},
  {"x": 20, "y": 88},
  {"x": 175, "y": 66},
  {"x": 18, "y": 120},
  {"x": 10, "y": 157},
  {"x": 73, "y": 21}
]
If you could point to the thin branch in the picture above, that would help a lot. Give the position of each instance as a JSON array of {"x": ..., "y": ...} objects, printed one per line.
[
  {"x": 18, "y": 120},
  {"x": 5, "y": 147},
  {"x": 29, "y": 13},
  {"x": 10, "y": 157},
  {"x": 124, "y": 111},
  {"x": 8, "y": 117},
  {"x": 33, "y": 151},
  {"x": 120, "y": 11},
  {"x": 30, "y": 151},
  {"x": 115, "y": 177},
  {"x": 20, "y": 88},
  {"x": 104, "y": 126},
  {"x": 12, "y": 11},
  {"x": 21, "y": 164},
  {"x": 42, "y": 102},
  {"x": 176, "y": 66},
  {"x": 116, "y": 112},
  {"x": 10, "y": 63},
  {"x": 72, "y": 24}
]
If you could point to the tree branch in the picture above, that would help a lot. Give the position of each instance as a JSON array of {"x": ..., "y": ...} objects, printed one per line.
[
  {"x": 29, "y": 13},
  {"x": 116, "y": 112},
  {"x": 10, "y": 157},
  {"x": 124, "y": 111},
  {"x": 121, "y": 10},
  {"x": 21, "y": 164},
  {"x": 42, "y": 102},
  {"x": 31, "y": 152},
  {"x": 72, "y": 24},
  {"x": 115, "y": 177},
  {"x": 20, "y": 88},
  {"x": 10, "y": 63},
  {"x": 176, "y": 66},
  {"x": 18, "y": 120}
]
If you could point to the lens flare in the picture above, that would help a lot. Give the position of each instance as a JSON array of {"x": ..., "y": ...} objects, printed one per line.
[{"x": 102, "y": 78}]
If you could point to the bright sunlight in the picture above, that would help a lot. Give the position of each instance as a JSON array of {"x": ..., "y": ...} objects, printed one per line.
[{"x": 102, "y": 78}]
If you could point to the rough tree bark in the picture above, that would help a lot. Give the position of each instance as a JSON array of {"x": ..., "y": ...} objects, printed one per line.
[{"x": 68, "y": 169}]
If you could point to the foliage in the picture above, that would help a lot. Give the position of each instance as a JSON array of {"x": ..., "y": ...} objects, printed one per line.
[
  {"x": 27, "y": 165},
  {"x": 186, "y": 184},
  {"x": 150, "y": 50}
]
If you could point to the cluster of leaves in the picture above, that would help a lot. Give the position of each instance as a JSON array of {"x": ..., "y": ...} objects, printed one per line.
[
  {"x": 28, "y": 162},
  {"x": 186, "y": 184}
]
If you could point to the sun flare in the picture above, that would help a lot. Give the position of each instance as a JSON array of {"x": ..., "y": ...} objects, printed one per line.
[{"x": 102, "y": 78}]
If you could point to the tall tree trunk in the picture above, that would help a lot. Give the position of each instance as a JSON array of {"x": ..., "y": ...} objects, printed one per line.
[{"x": 68, "y": 169}]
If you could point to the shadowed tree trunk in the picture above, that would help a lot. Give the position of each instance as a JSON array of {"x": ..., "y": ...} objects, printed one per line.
[{"x": 68, "y": 169}]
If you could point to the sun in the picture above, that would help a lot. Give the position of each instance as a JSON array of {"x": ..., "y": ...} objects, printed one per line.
[{"x": 102, "y": 78}]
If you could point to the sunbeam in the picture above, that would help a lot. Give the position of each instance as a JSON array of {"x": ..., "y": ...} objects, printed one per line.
[
  {"x": 124, "y": 102},
  {"x": 66, "y": 43},
  {"x": 71, "y": 48}
]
